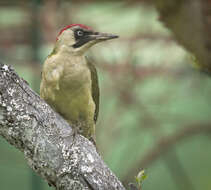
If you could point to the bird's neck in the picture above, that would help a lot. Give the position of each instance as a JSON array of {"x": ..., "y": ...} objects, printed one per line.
[{"x": 65, "y": 49}]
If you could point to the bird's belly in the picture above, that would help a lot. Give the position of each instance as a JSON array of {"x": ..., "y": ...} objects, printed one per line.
[{"x": 75, "y": 105}]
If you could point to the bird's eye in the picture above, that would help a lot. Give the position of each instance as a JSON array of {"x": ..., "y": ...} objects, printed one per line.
[{"x": 80, "y": 33}]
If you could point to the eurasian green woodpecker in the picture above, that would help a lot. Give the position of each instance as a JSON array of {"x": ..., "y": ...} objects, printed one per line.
[{"x": 69, "y": 82}]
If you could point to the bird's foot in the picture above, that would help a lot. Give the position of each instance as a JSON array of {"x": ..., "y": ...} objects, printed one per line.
[
  {"x": 93, "y": 141},
  {"x": 74, "y": 133}
]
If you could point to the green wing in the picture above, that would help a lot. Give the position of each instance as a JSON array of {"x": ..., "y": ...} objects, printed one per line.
[{"x": 95, "y": 87}]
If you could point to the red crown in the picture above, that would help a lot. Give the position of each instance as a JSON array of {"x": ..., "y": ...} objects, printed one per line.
[{"x": 70, "y": 26}]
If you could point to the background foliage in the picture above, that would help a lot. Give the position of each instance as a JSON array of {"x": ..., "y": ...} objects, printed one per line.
[{"x": 155, "y": 107}]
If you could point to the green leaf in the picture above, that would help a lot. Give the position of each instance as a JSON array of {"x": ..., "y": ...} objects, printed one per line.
[{"x": 140, "y": 178}]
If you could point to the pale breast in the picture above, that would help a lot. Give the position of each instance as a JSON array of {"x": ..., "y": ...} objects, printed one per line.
[
  {"x": 75, "y": 76},
  {"x": 70, "y": 94},
  {"x": 74, "y": 94}
]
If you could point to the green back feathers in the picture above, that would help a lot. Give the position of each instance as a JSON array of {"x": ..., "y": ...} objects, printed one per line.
[
  {"x": 53, "y": 52},
  {"x": 95, "y": 87}
]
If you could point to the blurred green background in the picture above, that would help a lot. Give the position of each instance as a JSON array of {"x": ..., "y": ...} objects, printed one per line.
[{"x": 155, "y": 107}]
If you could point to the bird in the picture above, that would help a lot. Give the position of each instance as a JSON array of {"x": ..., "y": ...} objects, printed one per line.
[{"x": 69, "y": 81}]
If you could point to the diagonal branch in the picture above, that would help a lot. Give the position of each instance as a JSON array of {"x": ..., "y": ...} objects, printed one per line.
[
  {"x": 166, "y": 144},
  {"x": 29, "y": 124},
  {"x": 189, "y": 20}
]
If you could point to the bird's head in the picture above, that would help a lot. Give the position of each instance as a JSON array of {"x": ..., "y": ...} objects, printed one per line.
[{"x": 78, "y": 38}]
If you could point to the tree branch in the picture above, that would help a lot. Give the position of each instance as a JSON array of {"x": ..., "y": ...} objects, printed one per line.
[
  {"x": 29, "y": 124},
  {"x": 166, "y": 143},
  {"x": 189, "y": 20}
]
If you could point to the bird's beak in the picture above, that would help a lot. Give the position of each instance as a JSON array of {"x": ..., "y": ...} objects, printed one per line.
[
  {"x": 103, "y": 36},
  {"x": 92, "y": 38}
]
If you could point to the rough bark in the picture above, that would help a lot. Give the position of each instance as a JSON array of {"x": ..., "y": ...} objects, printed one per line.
[{"x": 46, "y": 140}]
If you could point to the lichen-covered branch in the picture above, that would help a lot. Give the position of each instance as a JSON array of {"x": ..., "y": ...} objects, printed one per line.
[{"x": 46, "y": 140}]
